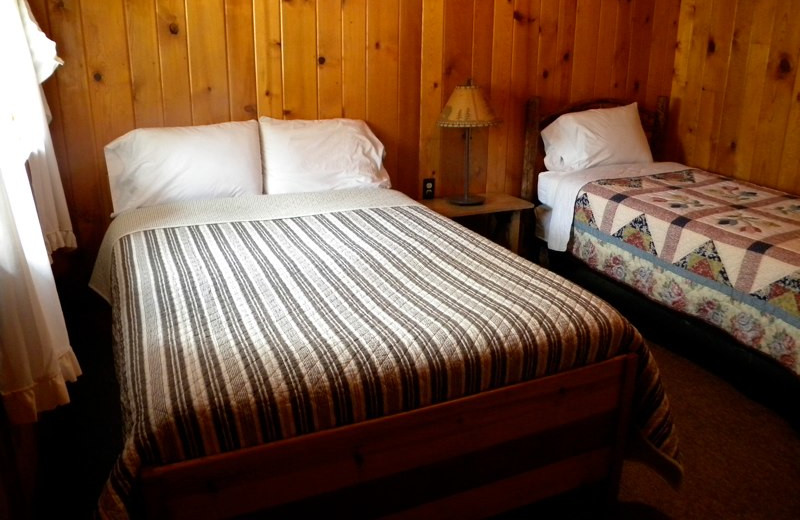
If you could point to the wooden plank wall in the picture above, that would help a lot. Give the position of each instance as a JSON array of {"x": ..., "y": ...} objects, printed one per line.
[
  {"x": 138, "y": 63},
  {"x": 736, "y": 90}
]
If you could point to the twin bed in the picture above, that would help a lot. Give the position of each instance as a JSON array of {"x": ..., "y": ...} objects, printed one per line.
[
  {"x": 722, "y": 251},
  {"x": 351, "y": 350}
]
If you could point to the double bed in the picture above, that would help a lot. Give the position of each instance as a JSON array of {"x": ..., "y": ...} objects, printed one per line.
[
  {"x": 275, "y": 348},
  {"x": 347, "y": 349},
  {"x": 725, "y": 252}
]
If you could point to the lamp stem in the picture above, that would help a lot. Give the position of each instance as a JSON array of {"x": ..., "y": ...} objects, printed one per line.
[
  {"x": 467, "y": 199},
  {"x": 466, "y": 163}
]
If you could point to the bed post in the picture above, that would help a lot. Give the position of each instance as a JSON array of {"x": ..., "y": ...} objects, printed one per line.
[
  {"x": 528, "y": 191},
  {"x": 660, "y": 127}
]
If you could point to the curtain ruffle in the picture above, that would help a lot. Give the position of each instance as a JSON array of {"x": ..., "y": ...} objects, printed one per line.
[
  {"x": 58, "y": 239},
  {"x": 23, "y": 406}
]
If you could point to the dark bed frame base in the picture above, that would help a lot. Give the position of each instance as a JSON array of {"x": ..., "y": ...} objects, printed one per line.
[{"x": 753, "y": 373}]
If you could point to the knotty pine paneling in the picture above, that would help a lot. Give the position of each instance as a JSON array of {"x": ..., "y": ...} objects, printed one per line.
[
  {"x": 139, "y": 63},
  {"x": 736, "y": 90}
]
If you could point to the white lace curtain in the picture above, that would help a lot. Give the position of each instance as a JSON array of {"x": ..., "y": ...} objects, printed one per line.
[{"x": 35, "y": 356}]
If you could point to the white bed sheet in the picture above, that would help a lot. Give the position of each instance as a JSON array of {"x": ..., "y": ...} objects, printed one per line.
[
  {"x": 562, "y": 189},
  {"x": 546, "y": 186}
]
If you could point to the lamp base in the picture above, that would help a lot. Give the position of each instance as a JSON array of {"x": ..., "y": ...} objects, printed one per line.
[{"x": 467, "y": 200}]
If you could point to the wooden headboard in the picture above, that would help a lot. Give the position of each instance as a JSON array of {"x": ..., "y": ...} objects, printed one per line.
[{"x": 654, "y": 123}]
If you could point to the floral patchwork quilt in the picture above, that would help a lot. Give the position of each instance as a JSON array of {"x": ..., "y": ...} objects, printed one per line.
[{"x": 723, "y": 250}]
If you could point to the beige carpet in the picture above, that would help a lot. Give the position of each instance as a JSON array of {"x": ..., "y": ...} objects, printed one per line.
[{"x": 740, "y": 459}]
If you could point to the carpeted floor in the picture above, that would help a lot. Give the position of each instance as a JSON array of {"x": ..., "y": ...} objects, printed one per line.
[{"x": 741, "y": 460}]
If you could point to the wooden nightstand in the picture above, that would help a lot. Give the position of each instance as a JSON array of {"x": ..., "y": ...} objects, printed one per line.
[{"x": 495, "y": 203}]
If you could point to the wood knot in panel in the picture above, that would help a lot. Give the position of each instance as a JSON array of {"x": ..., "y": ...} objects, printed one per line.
[
  {"x": 321, "y": 60},
  {"x": 566, "y": 56},
  {"x": 784, "y": 66},
  {"x": 711, "y": 48},
  {"x": 173, "y": 28},
  {"x": 97, "y": 77},
  {"x": 545, "y": 73}
]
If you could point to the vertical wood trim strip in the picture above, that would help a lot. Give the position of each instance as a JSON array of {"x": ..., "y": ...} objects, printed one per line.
[
  {"x": 641, "y": 41},
  {"x": 430, "y": 103},
  {"x": 208, "y": 61},
  {"x": 622, "y": 50},
  {"x": 173, "y": 48},
  {"x": 718, "y": 51},
  {"x": 690, "y": 106},
  {"x": 409, "y": 65},
  {"x": 110, "y": 95},
  {"x": 567, "y": 13},
  {"x": 329, "y": 58},
  {"x": 755, "y": 79},
  {"x": 299, "y": 38},
  {"x": 660, "y": 70},
  {"x": 733, "y": 107},
  {"x": 547, "y": 86},
  {"x": 354, "y": 59},
  {"x": 269, "y": 58},
  {"x": 501, "y": 85},
  {"x": 782, "y": 68},
  {"x": 789, "y": 174},
  {"x": 525, "y": 42},
  {"x": 240, "y": 45},
  {"x": 383, "y": 21},
  {"x": 482, "y": 36},
  {"x": 143, "y": 54},
  {"x": 603, "y": 78},
  {"x": 587, "y": 35},
  {"x": 85, "y": 179}
]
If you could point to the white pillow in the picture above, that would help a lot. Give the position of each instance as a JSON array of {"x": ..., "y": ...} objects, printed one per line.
[
  {"x": 151, "y": 166},
  {"x": 326, "y": 154},
  {"x": 595, "y": 137}
]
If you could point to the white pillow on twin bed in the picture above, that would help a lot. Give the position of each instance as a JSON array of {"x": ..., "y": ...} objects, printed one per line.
[
  {"x": 597, "y": 137},
  {"x": 152, "y": 166},
  {"x": 317, "y": 155}
]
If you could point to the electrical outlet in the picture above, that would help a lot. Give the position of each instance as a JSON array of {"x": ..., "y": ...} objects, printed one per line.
[{"x": 428, "y": 188}]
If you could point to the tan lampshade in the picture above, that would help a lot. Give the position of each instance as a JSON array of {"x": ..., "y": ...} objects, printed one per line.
[{"x": 467, "y": 108}]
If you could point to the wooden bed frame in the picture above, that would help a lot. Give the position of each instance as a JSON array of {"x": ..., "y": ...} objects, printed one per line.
[{"x": 471, "y": 457}]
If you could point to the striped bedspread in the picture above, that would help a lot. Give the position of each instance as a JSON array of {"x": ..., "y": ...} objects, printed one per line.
[
  {"x": 277, "y": 316},
  {"x": 725, "y": 251}
]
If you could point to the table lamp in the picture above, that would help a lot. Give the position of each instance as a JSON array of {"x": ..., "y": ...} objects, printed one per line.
[{"x": 467, "y": 108}]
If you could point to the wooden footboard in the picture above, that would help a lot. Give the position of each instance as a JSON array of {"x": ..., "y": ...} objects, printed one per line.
[{"x": 471, "y": 457}]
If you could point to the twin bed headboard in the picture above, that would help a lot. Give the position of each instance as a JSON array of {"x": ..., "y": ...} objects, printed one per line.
[{"x": 654, "y": 123}]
